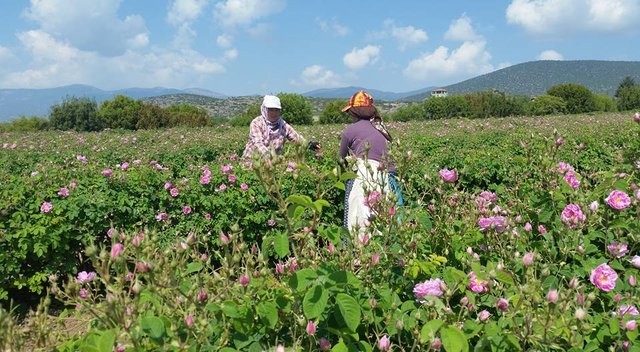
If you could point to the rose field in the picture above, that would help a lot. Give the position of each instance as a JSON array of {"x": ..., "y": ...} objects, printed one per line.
[{"x": 515, "y": 234}]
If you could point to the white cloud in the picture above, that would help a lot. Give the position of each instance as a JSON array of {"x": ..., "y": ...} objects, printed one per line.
[
  {"x": 318, "y": 76},
  {"x": 358, "y": 58},
  {"x": 224, "y": 40},
  {"x": 55, "y": 63},
  {"x": 440, "y": 66},
  {"x": 550, "y": 55},
  {"x": 182, "y": 11},
  {"x": 405, "y": 36},
  {"x": 231, "y": 54},
  {"x": 89, "y": 25},
  {"x": 461, "y": 30},
  {"x": 569, "y": 16},
  {"x": 333, "y": 27},
  {"x": 233, "y": 13},
  {"x": 5, "y": 52}
]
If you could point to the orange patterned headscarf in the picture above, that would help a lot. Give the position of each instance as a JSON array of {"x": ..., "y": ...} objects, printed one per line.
[{"x": 360, "y": 99}]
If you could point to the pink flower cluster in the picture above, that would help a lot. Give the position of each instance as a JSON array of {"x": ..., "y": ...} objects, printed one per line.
[
  {"x": 206, "y": 176},
  {"x": 493, "y": 222},
  {"x": 476, "y": 285},
  {"x": 617, "y": 249},
  {"x": 569, "y": 174},
  {"x": 618, "y": 200},
  {"x": 485, "y": 199},
  {"x": 46, "y": 207},
  {"x": 604, "y": 277},
  {"x": 84, "y": 277},
  {"x": 372, "y": 199},
  {"x": 572, "y": 215},
  {"x": 431, "y": 287},
  {"x": 449, "y": 176}
]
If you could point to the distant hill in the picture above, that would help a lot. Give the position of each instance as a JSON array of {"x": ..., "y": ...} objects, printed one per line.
[
  {"x": 535, "y": 77},
  {"x": 217, "y": 107},
  {"x": 529, "y": 78},
  {"x": 37, "y": 102},
  {"x": 347, "y": 92}
]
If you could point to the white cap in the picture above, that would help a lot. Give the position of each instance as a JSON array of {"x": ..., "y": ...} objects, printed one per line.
[{"x": 271, "y": 101}]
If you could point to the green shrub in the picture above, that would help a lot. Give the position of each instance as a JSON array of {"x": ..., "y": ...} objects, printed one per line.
[
  {"x": 605, "y": 103},
  {"x": 332, "y": 113},
  {"x": 151, "y": 116},
  {"x": 408, "y": 113},
  {"x": 547, "y": 105},
  {"x": 80, "y": 114},
  {"x": 579, "y": 99},
  {"x": 120, "y": 112},
  {"x": 296, "y": 109},
  {"x": 25, "y": 124},
  {"x": 187, "y": 115},
  {"x": 629, "y": 98}
]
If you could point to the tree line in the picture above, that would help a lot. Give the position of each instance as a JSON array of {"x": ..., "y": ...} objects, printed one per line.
[{"x": 121, "y": 112}]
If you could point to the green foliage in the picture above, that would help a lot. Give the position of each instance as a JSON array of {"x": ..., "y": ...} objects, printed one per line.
[
  {"x": 495, "y": 104},
  {"x": 547, "y": 105},
  {"x": 120, "y": 112},
  {"x": 408, "y": 113},
  {"x": 187, "y": 115},
  {"x": 79, "y": 114},
  {"x": 151, "y": 116},
  {"x": 447, "y": 107},
  {"x": 25, "y": 124},
  {"x": 626, "y": 83},
  {"x": 605, "y": 103},
  {"x": 296, "y": 109},
  {"x": 245, "y": 119},
  {"x": 332, "y": 112},
  {"x": 629, "y": 98},
  {"x": 579, "y": 99}
]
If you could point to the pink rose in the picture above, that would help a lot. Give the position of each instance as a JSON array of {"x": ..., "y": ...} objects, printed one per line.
[{"x": 603, "y": 277}]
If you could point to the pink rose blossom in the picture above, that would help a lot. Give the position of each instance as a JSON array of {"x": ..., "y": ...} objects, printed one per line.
[
  {"x": 186, "y": 210},
  {"x": 603, "y": 277},
  {"x": 116, "y": 250},
  {"x": 571, "y": 179},
  {"x": 174, "y": 192},
  {"x": 83, "y": 293},
  {"x": 625, "y": 309},
  {"x": 552, "y": 296},
  {"x": 528, "y": 258},
  {"x": 226, "y": 168},
  {"x": 449, "y": 176},
  {"x": 224, "y": 239},
  {"x": 244, "y": 186},
  {"x": 84, "y": 277},
  {"x": 232, "y": 178},
  {"x": 618, "y": 200},
  {"x": 617, "y": 249},
  {"x": 107, "y": 172},
  {"x": 168, "y": 185},
  {"x": 311, "y": 328},
  {"x": 635, "y": 261},
  {"x": 476, "y": 285},
  {"x": 542, "y": 230},
  {"x": 205, "y": 180},
  {"x": 189, "y": 320},
  {"x": 384, "y": 343},
  {"x": 162, "y": 216},
  {"x": 222, "y": 187},
  {"x": 572, "y": 215},
  {"x": 324, "y": 344},
  {"x": 244, "y": 280},
  {"x": 431, "y": 287},
  {"x": 527, "y": 227},
  {"x": 484, "y": 315},
  {"x": 502, "y": 304},
  {"x": 63, "y": 192},
  {"x": 46, "y": 207}
]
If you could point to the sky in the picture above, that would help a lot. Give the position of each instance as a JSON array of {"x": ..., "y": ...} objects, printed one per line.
[{"x": 247, "y": 47}]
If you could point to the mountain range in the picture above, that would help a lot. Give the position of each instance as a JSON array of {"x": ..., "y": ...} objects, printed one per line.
[{"x": 529, "y": 78}]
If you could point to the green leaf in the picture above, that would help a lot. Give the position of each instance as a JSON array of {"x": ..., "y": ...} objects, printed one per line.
[
  {"x": 347, "y": 176},
  {"x": 319, "y": 204},
  {"x": 505, "y": 277},
  {"x": 269, "y": 312},
  {"x": 349, "y": 310},
  {"x": 302, "y": 279},
  {"x": 230, "y": 309},
  {"x": 106, "y": 341},
  {"x": 315, "y": 302},
  {"x": 429, "y": 330},
  {"x": 194, "y": 267},
  {"x": 453, "y": 340},
  {"x": 281, "y": 244},
  {"x": 153, "y": 326},
  {"x": 299, "y": 199},
  {"x": 340, "y": 347}
]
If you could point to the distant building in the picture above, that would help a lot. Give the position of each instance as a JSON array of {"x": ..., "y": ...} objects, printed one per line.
[{"x": 439, "y": 92}]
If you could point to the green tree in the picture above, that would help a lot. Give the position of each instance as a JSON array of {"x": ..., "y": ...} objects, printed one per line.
[
  {"x": 120, "y": 112},
  {"x": 627, "y": 82},
  {"x": 408, "y": 113},
  {"x": 579, "y": 98},
  {"x": 547, "y": 105},
  {"x": 245, "y": 119},
  {"x": 296, "y": 109},
  {"x": 80, "y": 114},
  {"x": 151, "y": 116},
  {"x": 629, "y": 98},
  {"x": 605, "y": 103},
  {"x": 25, "y": 124},
  {"x": 332, "y": 112},
  {"x": 187, "y": 115}
]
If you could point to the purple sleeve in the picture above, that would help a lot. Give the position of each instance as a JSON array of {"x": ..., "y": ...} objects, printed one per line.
[{"x": 344, "y": 145}]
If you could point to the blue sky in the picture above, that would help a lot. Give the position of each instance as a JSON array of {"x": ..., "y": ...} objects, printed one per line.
[{"x": 244, "y": 47}]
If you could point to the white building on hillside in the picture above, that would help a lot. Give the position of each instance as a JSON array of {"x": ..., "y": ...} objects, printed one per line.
[{"x": 439, "y": 92}]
